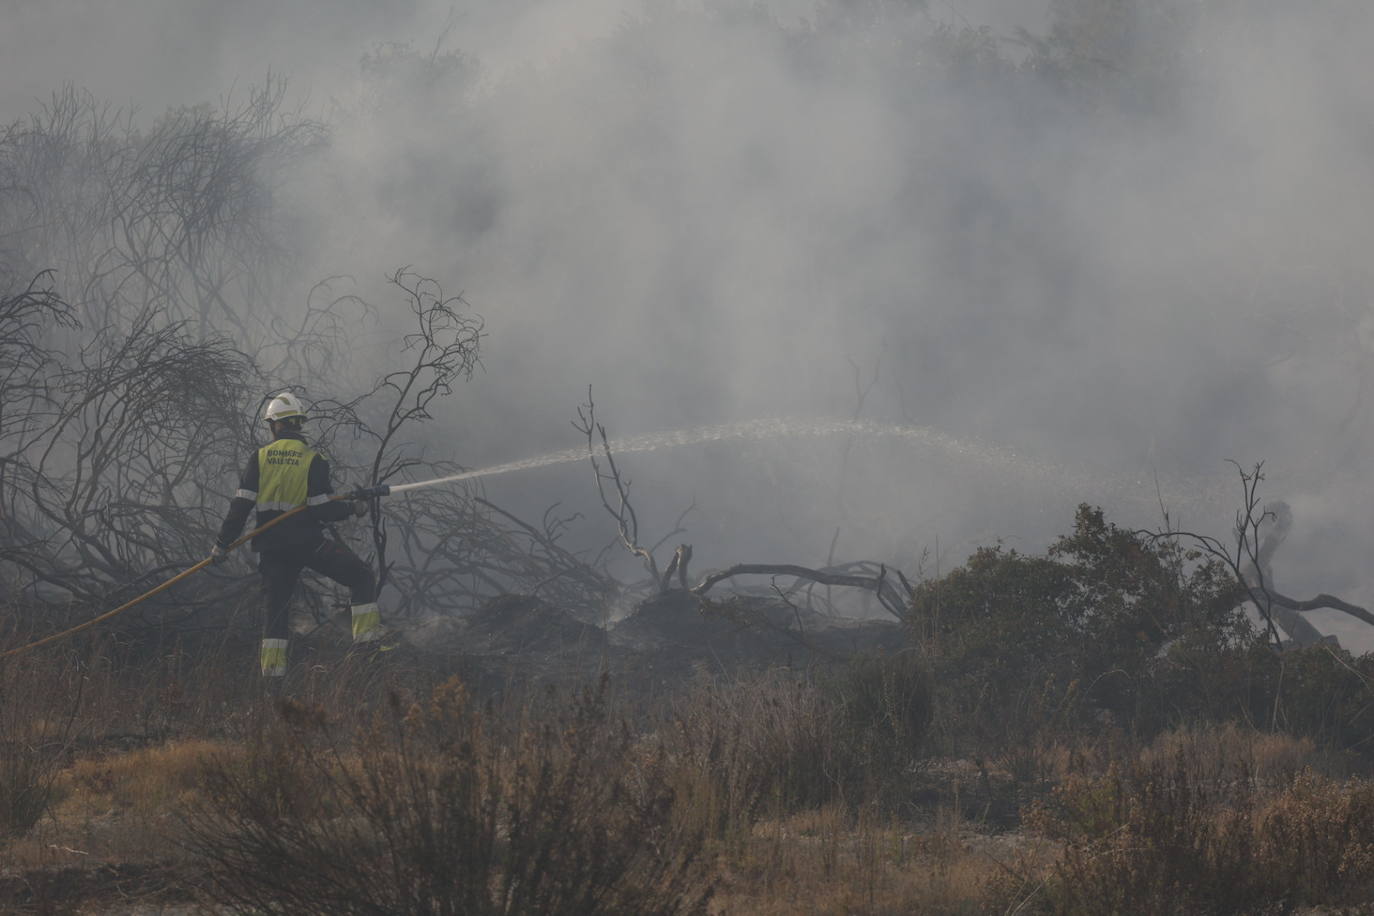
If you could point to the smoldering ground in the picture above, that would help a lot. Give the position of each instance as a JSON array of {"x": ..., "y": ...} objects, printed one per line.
[{"x": 1113, "y": 243}]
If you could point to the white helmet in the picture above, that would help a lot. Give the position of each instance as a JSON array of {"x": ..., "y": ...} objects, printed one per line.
[{"x": 283, "y": 407}]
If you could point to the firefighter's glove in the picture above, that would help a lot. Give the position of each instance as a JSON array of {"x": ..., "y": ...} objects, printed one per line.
[
  {"x": 218, "y": 555},
  {"x": 361, "y": 507}
]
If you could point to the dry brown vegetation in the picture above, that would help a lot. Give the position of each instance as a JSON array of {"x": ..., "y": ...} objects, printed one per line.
[{"x": 386, "y": 786}]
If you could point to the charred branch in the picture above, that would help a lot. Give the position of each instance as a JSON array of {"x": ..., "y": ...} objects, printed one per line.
[
  {"x": 623, "y": 511},
  {"x": 444, "y": 343},
  {"x": 1256, "y": 535},
  {"x": 678, "y": 564},
  {"x": 1319, "y": 602},
  {"x": 878, "y": 584}
]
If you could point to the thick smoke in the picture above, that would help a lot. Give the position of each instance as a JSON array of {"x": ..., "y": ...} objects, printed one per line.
[{"x": 1114, "y": 243}]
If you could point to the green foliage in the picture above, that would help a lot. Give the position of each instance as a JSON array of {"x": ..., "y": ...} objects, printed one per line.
[
  {"x": 1320, "y": 692},
  {"x": 1122, "y": 628},
  {"x": 1018, "y": 643}
]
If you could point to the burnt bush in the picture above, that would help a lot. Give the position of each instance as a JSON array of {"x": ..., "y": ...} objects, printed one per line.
[
  {"x": 39, "y": 725},
  {"x": 885, "y": 709},
  {"x": 441, "y": 807}
]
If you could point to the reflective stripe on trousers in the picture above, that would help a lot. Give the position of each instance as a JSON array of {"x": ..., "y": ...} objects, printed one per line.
[
  {"x": 273, "y": 657},
  {"x": 367, "y": 622}
]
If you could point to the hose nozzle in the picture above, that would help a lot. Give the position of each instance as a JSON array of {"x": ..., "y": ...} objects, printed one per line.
[{"x": 380, "y": 489}]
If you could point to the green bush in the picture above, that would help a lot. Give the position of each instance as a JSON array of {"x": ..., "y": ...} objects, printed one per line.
[
  {"x": 1321, "y": 692},
  {"x": 1067, "y": 640}
]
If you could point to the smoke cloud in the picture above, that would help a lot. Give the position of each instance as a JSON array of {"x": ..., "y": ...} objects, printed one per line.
[{"x": 1104, "y": 247}]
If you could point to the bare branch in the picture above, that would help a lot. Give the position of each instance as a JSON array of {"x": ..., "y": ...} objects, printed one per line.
[
  {"x": 876, "y": 584},
  {"x": 1248, "y": 557},
  {"x": 627, "y": 522}
]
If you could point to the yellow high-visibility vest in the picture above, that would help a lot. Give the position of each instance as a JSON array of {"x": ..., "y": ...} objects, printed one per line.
[{"x": 284, "y": 476}]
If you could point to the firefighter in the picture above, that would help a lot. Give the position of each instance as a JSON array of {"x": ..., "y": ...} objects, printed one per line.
[{"x": 282, "y": 475}]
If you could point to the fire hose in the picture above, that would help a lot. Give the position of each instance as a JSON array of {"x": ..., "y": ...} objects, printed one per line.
[{"x": 360, "y": 493}]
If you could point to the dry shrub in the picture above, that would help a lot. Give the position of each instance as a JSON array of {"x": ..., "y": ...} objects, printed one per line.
[
  {"x": 1229, "y": 754},
  {"x": 763, "y": 743},
  {"x": 439, "y": 807},
  {"x": 1208, "y": 822},
  {"x": 182, "y": 686},
  {"x": 886, "y": 709},
  {"x": 770, "y": 743},
  {"x": 1215, "y": 765},
  {"x": 40, "y": 702},
  {"x": 1172, "y": 849},
  {"x": 774, "y": 742},
  {"x": 1315, "y": 840}
]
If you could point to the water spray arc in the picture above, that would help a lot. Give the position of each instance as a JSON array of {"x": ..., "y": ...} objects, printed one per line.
[
  {"x": 991, "y": 457},
  {"x": 752, "y": 430},
  {"x": 759, "y": 431}
]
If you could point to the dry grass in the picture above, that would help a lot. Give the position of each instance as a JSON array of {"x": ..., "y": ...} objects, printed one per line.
[
  {"x": 742, "y": 749},
  {"x": 1228, "y": 753},
  {"x": 762, "y": 788},
  {"x": 40, "y": 724},
  {"x": 120, "y": 806},
  {"x": 831, "y": 860},
  {"x": 142, "y": 782},
  {"x": 440, "y": 805},
  {"x": 1220, "y": 820}
]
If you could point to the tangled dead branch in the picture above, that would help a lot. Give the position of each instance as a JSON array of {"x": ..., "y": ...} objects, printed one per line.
[
  {"x": 140, "y": 328},
  {"x": 1256, "y": 535},
  {"x": 891, "y": 600},
  {"x": 627, "y": 521},
  {"x": 608, "y": 476}
]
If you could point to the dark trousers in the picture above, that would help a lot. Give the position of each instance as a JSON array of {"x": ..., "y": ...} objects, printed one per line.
[{"x": 281, "y": 568}]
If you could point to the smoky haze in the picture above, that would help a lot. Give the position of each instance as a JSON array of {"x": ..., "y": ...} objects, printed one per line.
[{"x": 1103, "y": 246}]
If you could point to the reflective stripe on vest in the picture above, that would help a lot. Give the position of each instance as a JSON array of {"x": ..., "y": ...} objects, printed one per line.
[{"x": 283, "y": 475}]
